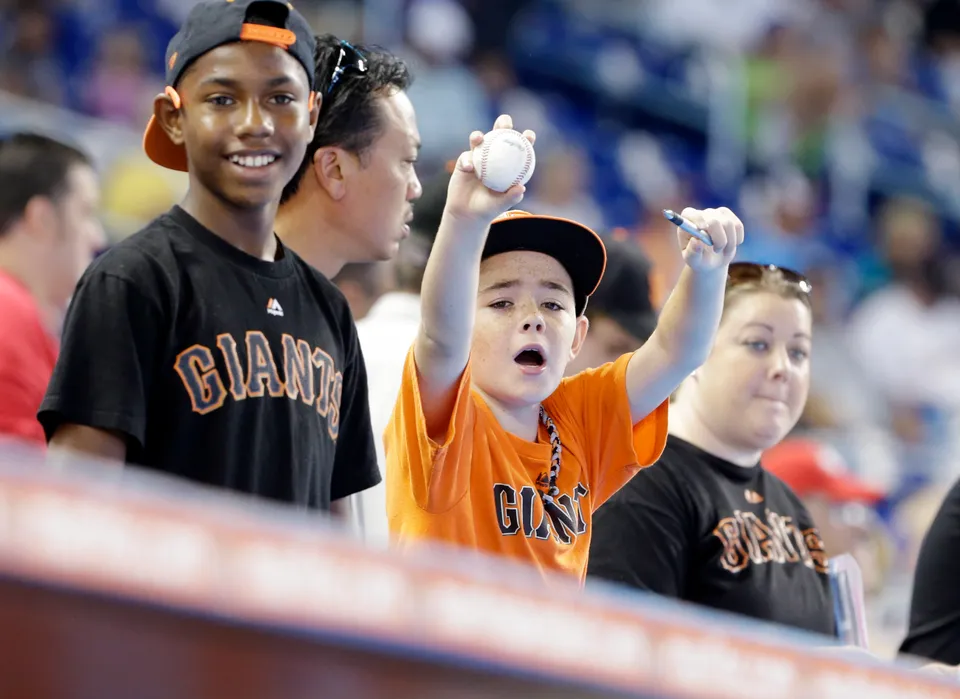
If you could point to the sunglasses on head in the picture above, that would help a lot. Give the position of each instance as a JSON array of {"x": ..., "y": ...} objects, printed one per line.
[
  {"x": 359, "y": 63},
  {"x": 745, "y": 272}
]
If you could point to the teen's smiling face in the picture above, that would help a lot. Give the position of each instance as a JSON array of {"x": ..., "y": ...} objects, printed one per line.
[{"x": 245, "y": 121}]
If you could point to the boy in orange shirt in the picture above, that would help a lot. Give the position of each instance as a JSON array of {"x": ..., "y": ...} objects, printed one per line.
[{"x": 489, "y": 447}]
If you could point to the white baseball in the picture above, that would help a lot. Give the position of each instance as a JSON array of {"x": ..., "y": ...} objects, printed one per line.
[{"x": 504, "y": 159}]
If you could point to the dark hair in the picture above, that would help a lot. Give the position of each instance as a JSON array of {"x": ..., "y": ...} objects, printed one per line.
[
  {"x": 624, "y": 292},
  {"x": 350, "y": 117},
  {"x": 33, "y": 166}
]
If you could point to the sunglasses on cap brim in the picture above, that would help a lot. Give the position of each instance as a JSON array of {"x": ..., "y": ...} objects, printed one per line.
[{"x": 746, "y": 272}]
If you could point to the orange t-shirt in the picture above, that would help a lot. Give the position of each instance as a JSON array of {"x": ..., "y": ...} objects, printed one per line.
[{"x": 479, "y": 488}]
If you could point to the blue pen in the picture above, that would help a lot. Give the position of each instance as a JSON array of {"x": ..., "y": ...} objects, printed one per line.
[{"x": 682, "y": 223}]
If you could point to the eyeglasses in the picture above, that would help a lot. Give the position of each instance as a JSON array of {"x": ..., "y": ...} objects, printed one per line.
[
  {"x": 359, "y": 63},
  {"x": 745, "y": 272}
]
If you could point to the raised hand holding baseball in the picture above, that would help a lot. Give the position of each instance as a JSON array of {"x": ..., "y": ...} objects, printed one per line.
[{"x": 490, "y": 177}]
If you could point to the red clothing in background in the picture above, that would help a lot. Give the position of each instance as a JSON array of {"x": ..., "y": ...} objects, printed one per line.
[{"x": 27, "y": 357}]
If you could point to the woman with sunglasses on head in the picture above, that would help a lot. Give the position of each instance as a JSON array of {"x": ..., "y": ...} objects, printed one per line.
[{"x": 706, "y": 523}]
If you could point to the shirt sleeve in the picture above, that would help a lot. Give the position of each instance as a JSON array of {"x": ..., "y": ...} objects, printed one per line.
[
  {"x": 595, "y": 403},
  {"x": 934, "y": 631},
  {"x": 433, "y": 475},
  {"x": 355, "y": 463},
  {"x": 642, "y": 537},
  {"x": 114, "y": 334}
]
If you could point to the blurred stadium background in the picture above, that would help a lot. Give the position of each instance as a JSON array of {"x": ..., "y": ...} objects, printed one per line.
[{"x": 830, "y": 126}]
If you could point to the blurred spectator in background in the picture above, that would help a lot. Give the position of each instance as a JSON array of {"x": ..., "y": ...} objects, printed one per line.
[
  {"x": 31, "y": 66},
  {"x": 449, "y": 97},
  {"x": 841, "y": 396},
  {"x": 906, "y": 335},
  {"x": 845, "y": 408},
  {"x": 135, "y": 190},
  {"x": 363, "y": 283},
  {"x": 561, "y": 187},
  {"x": 119, "y": 88},
  {"x": 620, "y": 313},
  {"x": 352, "y": 199},
  {"x": 783, "y": 211},
  {"x": 49, "y": 233},
  {"x": 941, "y": 34}
]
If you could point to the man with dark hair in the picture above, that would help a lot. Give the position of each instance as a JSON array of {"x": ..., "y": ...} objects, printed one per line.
[
  {"x": 621, "y": 315},
  {"x": 352, "y": 198},
  {"x": 49, "y": 233}
]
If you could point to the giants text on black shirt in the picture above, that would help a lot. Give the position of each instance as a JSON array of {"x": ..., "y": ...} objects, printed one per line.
[
  {"x": 218, "y": 367},
  {"x": 698, "y": 528}
]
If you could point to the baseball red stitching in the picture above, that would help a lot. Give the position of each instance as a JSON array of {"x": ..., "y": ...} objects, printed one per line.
[
  {"x": 484, "y": 153},
  {"x": 528, "y": 150}
]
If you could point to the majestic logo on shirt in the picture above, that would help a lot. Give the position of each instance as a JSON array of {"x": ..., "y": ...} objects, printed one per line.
[
  {"x": 273, "y": 308},
  {"x": 527, "y": 513},
  {"x": 747, "y": 539},
  {"x": 308, "y": 374},
  {"x": 752, "y": 496}
]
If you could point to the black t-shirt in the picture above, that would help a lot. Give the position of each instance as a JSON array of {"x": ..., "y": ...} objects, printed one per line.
[
  {"x": 218, "y": 367},
  {"x": 934, "y": 631},
  {"x": 701, "y": 529}
]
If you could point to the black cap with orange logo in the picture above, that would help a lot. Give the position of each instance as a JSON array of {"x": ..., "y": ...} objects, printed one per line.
[
  {"x": 575, "y": 246},
  {"x": 212, "y": 23}
]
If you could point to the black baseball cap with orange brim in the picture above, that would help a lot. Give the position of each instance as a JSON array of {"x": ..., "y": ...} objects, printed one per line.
[
  {"x": 213, "y": 23},
  {"x": 575, "y": 246}
]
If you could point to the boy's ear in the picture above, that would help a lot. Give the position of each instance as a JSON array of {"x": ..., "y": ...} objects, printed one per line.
[
  {"x": 583, "y": 325},
  {"x": 166, "y": 110}
]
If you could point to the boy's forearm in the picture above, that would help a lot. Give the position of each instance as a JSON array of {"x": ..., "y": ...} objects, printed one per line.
[
  {"x": 681, "y": 342},
  {"x": 449, "y": 291},
  {"x": 691, "y": 315}
]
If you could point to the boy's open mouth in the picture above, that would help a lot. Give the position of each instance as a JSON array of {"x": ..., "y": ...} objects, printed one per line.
[{"x": 530, "y": 357}]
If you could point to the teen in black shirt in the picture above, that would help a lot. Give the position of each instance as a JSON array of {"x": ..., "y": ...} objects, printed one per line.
[
  {"x": 201, "y": 346},
  {"x": 707, "y": 523}
]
